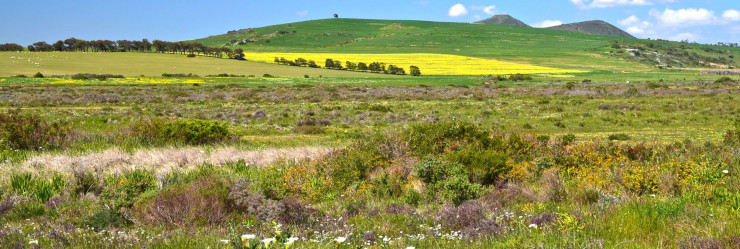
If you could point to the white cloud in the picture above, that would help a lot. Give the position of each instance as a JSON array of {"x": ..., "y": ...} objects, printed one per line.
[
  {"x": 629, "y": 21},
  {"x": 301, "y": 12},
  {"x": 684, "y": 17},
  {"x": 691, "y": 37},
  {"x": 490, "y": 10},
  {"x": 635, "y": 30},
  {"x": 458, "y": 10},
  {"x": 731, "y": 15},
  {"x": 587, "y": 4},
  {"x": 547, "y": 23}
]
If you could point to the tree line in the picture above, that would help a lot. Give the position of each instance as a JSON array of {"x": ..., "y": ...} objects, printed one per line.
[
  {"x": 78, "y": 45},
  {"x": 374, "y": 67},
  {"x": 11, "y": 47}
]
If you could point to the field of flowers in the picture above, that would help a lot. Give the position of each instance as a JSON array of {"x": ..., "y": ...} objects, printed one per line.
[{"x": 430, "y": 64}]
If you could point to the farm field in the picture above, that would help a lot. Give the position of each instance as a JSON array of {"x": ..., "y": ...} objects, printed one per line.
[
  {"x": 433, "y": 64},
  {"x": 328, "y": 158},
  {"x": 147, "y": 64}
]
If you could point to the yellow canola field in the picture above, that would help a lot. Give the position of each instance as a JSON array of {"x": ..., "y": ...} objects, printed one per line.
[{"x": 429, "y": 64}]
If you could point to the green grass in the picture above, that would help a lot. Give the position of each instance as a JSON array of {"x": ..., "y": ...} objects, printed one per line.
[{"x": 542, "y": 47}]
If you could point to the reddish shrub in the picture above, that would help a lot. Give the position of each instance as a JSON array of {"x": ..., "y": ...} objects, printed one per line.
[{"x": 196, "y": 204}]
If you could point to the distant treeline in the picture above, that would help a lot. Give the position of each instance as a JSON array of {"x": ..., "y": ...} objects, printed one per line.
[
  {"x": 375, "y": 67},
  {"x": 78, "y": 45},
  {"x": 11, "y": 47}
]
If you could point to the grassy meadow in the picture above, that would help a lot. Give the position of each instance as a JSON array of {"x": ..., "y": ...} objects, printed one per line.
[
  {"x": 372, "y": 163},
  {"x": 595, "y": 146}
]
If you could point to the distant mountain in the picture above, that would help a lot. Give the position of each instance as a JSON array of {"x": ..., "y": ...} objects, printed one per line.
[
  {"x": 594, "y": 27},
  {"x": 503, "y": 20}
]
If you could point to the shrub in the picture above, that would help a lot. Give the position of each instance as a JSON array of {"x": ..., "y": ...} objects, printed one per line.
[
  {"x": 122, "y": 191},
  {"x": 619, "y": 137},
  {"x": 188, "y": 205},
  {"x": 30, "y": 133},
  {"x": 724, "y": 80},
  {"x": 568, "y": 139},
  {"x": 468, "y": 214},
  {"x": 105, "y": 218},
  {"x": 482, "y": 166},
  {"x": 253, "y": 203},
  {"x": 38, "y": 75},
  {"x": 436, "y": 138},
  {"x": 190, "y": 55},
  {"x": 189, "y": 131},
  {"x": 88, "y": 76},
  {"x": 446, "y": 181}
]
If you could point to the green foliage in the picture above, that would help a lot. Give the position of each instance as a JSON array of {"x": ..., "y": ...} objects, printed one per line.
[
  {"x": 446, "y": 181},
  {"x": 436, "y": 138},
  {"x": 414, "y": 71},
  {"x": 619, "y": 137},
  {"x": 104, "y": 219},
  {"x": 568, "y": 139},
  {"x": 38, "y": 75},
  {"x": 30, "y": 132},
  {"x": 122, "y": 191},
  {"x": 724, "y": 80},
  {"x": 37, "y": 188},
  {"x": 482, "y": 166},
  {"x": 189, "y": 131}
]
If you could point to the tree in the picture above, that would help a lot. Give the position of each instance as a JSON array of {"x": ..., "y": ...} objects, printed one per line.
[
  {"x": 336, "y": 15},
  {"x": 329, "y": 63},
  {"x": 351, "y": 66},
  {"x": 414, "y": 71},
  {"x": 312, "y": 64},
  {"x": 239, "y": 54},
  {"x": 362, "y": 66}
]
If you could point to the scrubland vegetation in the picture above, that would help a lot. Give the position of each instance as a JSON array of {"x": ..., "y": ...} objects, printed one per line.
[{"x": 232, "y": 162}]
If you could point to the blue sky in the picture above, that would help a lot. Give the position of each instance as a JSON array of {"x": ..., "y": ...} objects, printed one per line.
[{"x": 25, "y": 22}]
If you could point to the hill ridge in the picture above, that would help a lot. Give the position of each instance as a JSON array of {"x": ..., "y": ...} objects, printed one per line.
[
  {"x": 596, "y": 27},
  {"x": 503, "y": 20}
]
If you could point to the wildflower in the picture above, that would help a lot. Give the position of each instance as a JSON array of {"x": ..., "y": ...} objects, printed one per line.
[
  {"x": 410, "y": 247},
  {"x": 33, "y": 242},
  {"x": 533, "y": 226},
  {"x": 290, "y": 242},
  {"x": 339, "y": 240},
  {"x": 246, "y": 238},
  {"x": 725, "y": 171},
  {"x": 277, "y": 228},
  {"x": 268, "y": 241},
  {"x": 225, "y": 241}
]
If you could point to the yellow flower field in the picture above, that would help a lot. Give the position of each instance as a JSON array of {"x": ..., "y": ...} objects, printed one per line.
[{"x": 430, "y": 64}]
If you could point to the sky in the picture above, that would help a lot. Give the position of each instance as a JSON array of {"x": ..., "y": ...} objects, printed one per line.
[{"x": 25, "y": 22}]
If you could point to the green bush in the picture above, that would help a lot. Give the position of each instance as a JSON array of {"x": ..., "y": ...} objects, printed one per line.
[
  {"x": 482, "y": 166},
  {"x": 437, "y": 138},
  {"x": 105, "y": 218},
  {"x": 122, "y": 191},
  {"x": 619, "y": 137},
  {"x": 27, "y": 132},
  {"x": 568, "y": 139},
  {"x": 457, "y": 189},
  {"x": 446, "y": 181},
  {"x": 189, "y": 131}
]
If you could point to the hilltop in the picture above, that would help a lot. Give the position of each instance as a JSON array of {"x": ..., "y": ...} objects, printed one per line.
[
  {"x": 596, "y": 27},
  {"x": 503, "y": 20}
]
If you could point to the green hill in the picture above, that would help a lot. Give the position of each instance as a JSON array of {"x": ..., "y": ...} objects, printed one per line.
[
  {"x": 594, "y": 27},
  {"x": 543, "y": 47}
]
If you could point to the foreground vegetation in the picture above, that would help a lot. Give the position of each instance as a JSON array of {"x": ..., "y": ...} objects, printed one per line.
[{"x": 332, "y": 162}]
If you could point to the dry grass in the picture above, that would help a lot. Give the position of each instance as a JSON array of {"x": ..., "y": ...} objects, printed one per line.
[{"x": 161, "y": 161}]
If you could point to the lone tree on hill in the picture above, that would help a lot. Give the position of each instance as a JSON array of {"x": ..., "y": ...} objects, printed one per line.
[{"x": 336, "y": 15}]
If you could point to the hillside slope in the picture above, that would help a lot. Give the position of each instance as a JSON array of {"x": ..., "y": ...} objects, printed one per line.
[
  {"x": 594, "y": 27},
  {"x": 542, "y": 47},
  {"x": 503, "y": 20}
]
